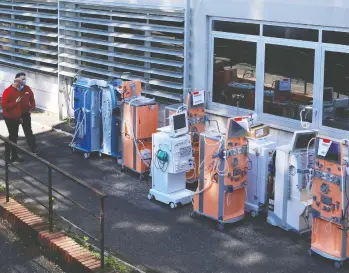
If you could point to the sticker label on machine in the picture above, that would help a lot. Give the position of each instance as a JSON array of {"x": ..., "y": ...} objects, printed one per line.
[
  {"x": 198, "y": 97},
  {"x": 259, "y": 132},
  {"x": 324, "y": 146}
]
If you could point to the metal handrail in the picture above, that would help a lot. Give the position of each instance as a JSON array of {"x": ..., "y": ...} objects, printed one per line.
[{"x": 51, "y": 212}]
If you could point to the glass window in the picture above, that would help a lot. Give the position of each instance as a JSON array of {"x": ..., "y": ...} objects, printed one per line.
[
  {"x": 234, "y": 73},
  {"x": 335, "y": 37},
  {"x": 292, "y": 33},
  {"x": 288, "y": 81},
  {"x": 235, "y": 27},
  {"x": 335, "y": 112}
]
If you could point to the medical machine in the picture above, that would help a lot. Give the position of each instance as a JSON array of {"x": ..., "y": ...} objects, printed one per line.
[
  {"x": 127, "y": 89},
  {"x": 292, "y": 198},
  {"x": 139, "y": 122},
  {"x": 260, "y": 153},
  {"x": 171, "y": 159},
  {"x": 223, "y": 175},
  {"x": 87, "y": 115},
  {"x": 195, "y": 108},
  {"x": 330, "y": 201},
  {"x": 111, "y": 121},
  {"x": 282, "y": 90}
]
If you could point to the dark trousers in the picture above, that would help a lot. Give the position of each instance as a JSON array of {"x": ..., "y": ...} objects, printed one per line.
[{"x": 13, "y": 127}]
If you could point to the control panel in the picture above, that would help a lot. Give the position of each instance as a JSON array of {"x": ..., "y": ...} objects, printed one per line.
[{"x": 330, "y": 179}]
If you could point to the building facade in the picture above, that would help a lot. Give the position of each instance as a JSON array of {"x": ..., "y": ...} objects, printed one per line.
[{"x": 285, "y": 61}]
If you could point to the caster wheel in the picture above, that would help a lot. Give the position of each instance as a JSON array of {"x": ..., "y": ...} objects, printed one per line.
[
  {"x": 123, "y": 169},
  {"x": 119, "y": 161},
  {"x": 150, "y": 197},
  {"x": 193, "y": 215},
  {"x": 310, "y": 252},
  {"x": 100, "y": 154},
  {"x": 338, "y": 265},
  {"x": 141, "y": 176},
  {"x": 173, "y": 205},
  {"x": 220, "y": 226},
  {"x": 254, "y": 214},
  {"x": 86, "y": 155}
]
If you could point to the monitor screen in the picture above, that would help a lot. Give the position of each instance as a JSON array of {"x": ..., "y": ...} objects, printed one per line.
[
  {"x": 285, "y": 85},
  {"x": 328, "y": 94},
  {"x": 333, "y": 154},
  {"x": 179, "y": 121},
  {"x": 302, "y": 140}
]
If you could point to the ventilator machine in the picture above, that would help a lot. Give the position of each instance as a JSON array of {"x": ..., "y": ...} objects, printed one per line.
[
  {"x": 329, "y": 237},
  {"x": 171, "y": 159},
  {"x": 291, "y": 198}
]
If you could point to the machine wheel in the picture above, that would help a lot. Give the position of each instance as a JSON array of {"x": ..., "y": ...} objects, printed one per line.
[
  {"x": 338, "y": 265},
  {"x": 220, "y": 226},
  {"x": 254, "y": 213},
  {"x": 150, "y": 197},
  {"x": 100, "y": 154},
  {"x": 123, "y": 169},
  {"x": 193, "y": 215},
  {"x": 310, "y": 252},
  {"x": 86, "y": 155},
  {"x": 173, "y": 205},
  {"x": 141, "y": 177},
  {"x": 119, "y": 161}
]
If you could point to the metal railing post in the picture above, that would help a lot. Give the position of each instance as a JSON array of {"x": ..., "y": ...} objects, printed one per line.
[
  {"x": 6, "y": 174},
  {"x": 102, "y": 231},
  {"x": 50, "y": 200}
]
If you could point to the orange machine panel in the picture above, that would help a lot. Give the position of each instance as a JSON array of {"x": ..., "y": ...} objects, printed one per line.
[
  {"x": 330, "y": 201},
  {"x": 221, "y": 190},
  {"x": 140, "y": 121},
  {"x": 131, "y": 89}
]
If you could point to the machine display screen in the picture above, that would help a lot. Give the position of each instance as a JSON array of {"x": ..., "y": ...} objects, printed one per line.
[
  {"x": 179, "y": 122},
  {"x": 333, "y": 154},
  {"x": 302, "y": 141}
]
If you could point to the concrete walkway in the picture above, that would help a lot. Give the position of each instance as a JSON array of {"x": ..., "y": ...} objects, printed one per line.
[{"x": 151, "y": 234}]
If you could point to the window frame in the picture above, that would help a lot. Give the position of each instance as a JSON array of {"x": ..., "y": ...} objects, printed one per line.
[
  {"x": 276, "y": 122},
  {"x": 334, "y": 132},
  {"x": 283, "y": 121},
  {"x": 228, "y": 109}
]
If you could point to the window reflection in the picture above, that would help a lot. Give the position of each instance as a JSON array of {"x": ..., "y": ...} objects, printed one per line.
[
  {"x": 288, "y": 81},
  {"x": 234, "y": 73},
  {"x": 336, "y": 92}
]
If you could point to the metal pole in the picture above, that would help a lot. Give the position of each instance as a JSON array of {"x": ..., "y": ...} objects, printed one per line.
[
  {"x": 6, "y": 174},
  {"x": 102, "y": 231},
  {"x": 50, "y": 200}
]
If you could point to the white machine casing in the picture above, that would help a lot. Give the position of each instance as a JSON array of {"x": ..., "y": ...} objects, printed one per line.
[
  {"x": 260, "y": 154},
  {"x": 169, "y": 184},
  {"x": 292, "y": 201}
]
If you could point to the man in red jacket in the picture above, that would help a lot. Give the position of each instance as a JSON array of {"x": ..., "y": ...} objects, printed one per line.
[{"x": 17, "y": 102}]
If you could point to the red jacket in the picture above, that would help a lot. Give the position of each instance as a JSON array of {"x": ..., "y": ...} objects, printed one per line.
[{"x": 14, "y": 110}]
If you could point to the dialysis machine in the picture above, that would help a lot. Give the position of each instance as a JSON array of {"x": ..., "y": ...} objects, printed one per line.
[
  {"x": 87, "y": 116},
  {"x": 195, "y": 107},
  {"x": 260, "y": 154},
  {"x": 171, "y": 159},
  {"x": 330, "y": 201},
  {"x": 140, "y": 121},
  {"x": 222, "y": 186},
  {"x": 291, "y": 198}
]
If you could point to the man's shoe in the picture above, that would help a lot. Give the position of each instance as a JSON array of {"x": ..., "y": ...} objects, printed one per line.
[{"x": 16, "y": 159}]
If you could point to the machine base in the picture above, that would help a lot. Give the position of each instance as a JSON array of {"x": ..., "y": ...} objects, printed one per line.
[
  {"x": 253, "y": 209},
  {"x": 277, "y": 222},
  {"x": 220, "y": 222},
  {"x": 85, "y": 151},
  {"x": 182, "y": 197},
  {"x": 338, "y": 262}
]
